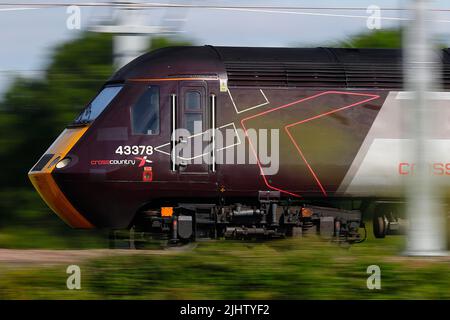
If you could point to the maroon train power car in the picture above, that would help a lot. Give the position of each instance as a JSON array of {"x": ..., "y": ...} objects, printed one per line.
[{"x": 208, "y": 142}]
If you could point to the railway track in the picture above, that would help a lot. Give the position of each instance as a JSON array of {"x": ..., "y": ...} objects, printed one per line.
[{"x": 32, "y": 257}]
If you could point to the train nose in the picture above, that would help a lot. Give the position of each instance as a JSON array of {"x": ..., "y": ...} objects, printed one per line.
[{"x": 42, "y": 179}]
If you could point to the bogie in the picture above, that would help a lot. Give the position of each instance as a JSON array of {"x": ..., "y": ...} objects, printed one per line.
[{"x": 268, "y": 220}]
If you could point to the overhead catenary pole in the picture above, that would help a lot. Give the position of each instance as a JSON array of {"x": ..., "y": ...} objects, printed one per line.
[
  {"x": 426, "y": 235},
  {"x": 130, "y": 40},
  {"x": 131, "y": 34}
]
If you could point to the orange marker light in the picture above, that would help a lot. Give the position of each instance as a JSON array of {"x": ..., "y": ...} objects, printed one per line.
[
  {"x": 307, "y": 212},
  {"x": 166, "y": 211}
]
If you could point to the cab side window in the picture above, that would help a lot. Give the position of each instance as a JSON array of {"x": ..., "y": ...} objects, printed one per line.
[
  {"x": 193, "y": 112},
  {"x": 145, "y": 113}
]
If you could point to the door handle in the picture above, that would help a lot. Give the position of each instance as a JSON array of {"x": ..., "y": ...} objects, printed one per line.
[
  {"x": 182, "y": 140},
  {"x": 173, "y": 102},
  {"x": 213, "y": 132}
]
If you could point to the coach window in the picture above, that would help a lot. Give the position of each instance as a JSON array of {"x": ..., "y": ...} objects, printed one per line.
[
  {"x": 145, "y": 112},
  {"x": 193, "y": 112}
]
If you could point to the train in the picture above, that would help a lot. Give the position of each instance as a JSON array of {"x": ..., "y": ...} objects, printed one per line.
[{"x": 206, "y": 142}]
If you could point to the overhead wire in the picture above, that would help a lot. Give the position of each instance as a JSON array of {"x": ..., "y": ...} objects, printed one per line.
[{"x": 291, "y": 10}]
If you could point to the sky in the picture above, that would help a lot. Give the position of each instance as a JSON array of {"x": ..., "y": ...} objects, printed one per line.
[{"x": 28, "y": 36}]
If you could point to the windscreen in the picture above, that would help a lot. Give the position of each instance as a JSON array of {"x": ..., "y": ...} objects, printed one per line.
[{"x": 99, "y": 104}]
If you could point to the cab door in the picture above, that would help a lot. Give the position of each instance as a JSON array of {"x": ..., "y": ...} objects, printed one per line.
[{"x": 194, "y": 120}]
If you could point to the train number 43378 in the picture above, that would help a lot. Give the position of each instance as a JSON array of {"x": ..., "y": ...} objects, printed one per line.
[{"x": 134, "y": 150}]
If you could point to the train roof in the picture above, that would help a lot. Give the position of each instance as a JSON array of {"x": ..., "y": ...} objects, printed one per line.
[{"x": 256, "y": 66}]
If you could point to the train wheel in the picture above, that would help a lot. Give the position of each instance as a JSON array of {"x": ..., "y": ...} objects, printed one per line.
[
  {"x": 120, "y": 239},
  {"x": 379, "y": 223}
]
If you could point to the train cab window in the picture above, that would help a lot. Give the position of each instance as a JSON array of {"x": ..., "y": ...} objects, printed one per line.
[
  {"x": 193, "y": 113},
  {"x": 193, "y": 101},
  {"x": 145, "y": 112},
  {"x": 100, "y": 102}
]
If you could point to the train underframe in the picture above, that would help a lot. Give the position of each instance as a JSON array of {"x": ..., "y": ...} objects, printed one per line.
[{"x": 265, "y": 219}]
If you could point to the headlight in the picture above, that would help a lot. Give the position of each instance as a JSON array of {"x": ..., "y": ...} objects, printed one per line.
[{"x": 63, "y": 163}]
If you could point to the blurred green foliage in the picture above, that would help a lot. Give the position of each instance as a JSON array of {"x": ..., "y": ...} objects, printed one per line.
[
  {"x": 282, "y": 269},
  {"x": 383, "y": 38}
]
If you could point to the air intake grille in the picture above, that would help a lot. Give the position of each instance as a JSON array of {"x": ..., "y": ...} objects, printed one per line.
[{"x": 291, "y": 74}]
